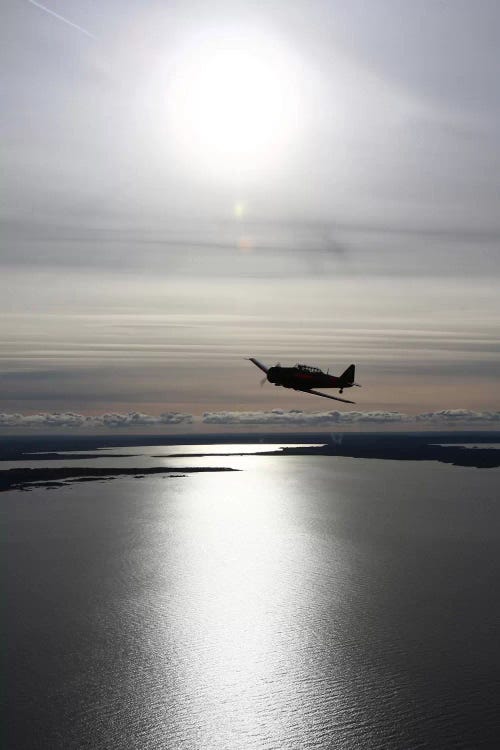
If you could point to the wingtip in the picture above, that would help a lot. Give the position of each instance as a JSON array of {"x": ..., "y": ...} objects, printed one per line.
[{"x": 259, "y": 364}]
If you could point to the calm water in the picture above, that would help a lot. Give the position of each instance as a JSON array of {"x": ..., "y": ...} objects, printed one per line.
[{"x": 303, "y": 602}]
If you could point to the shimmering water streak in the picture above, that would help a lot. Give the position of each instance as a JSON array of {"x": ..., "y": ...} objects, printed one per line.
[{"x": 214, "y": 454}]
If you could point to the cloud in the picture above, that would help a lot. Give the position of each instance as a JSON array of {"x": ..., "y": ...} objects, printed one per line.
[
  {"x": 301, "y": 418},
  {"x": 42, "y": 420},
  {"x": 111, "y": 420},
  {"x": 451, "y": 416},
  {"x": 136, "y": 419},
  {"x": 276, "y": 417}
]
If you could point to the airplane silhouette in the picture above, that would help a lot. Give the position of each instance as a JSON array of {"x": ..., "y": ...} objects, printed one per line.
[{"x": 306, "y": 378}]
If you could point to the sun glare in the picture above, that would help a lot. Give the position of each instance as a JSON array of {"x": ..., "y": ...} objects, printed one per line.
[{"x": 234, "y": 105}]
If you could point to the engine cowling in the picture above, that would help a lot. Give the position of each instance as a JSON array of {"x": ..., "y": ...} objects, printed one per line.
[{"x": 273, "y": 375}]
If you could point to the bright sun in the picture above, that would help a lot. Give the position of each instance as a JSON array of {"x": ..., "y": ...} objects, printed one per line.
[{"x": 234, "y": 105}]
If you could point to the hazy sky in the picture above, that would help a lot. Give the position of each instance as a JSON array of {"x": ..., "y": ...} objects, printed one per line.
[{"x": 186, "y": 184}]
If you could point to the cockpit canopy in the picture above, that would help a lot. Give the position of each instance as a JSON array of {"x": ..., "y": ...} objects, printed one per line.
[{"x": 307, "y": 368}]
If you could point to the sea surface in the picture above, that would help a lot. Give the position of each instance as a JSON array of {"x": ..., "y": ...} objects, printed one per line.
[{"x": 299, "y": 602}]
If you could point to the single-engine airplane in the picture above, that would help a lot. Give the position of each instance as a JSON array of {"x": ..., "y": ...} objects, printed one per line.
[{"x": 305, "y": 378}]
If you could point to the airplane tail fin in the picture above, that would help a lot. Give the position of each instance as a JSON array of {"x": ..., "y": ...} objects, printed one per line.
[{"x": 347, "y": 376}]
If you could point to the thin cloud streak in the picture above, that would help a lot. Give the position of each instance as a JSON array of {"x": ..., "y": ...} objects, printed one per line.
[{"x": 62, "y": 18}]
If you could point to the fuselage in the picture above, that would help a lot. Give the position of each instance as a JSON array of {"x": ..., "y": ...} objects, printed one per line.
[{"x": 302, "y": 377}]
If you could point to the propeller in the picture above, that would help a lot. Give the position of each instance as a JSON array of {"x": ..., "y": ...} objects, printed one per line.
[{"x": 263, "y": 380}]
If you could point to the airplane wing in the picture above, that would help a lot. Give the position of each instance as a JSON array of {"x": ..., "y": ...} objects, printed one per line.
[
  {"x": 325, "y": 395},
  {"x": 259, "y": 364}
]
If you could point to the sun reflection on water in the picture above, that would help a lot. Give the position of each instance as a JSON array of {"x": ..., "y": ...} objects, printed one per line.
[
  {"x": 242, "y": 600},
  {"x": 246, "y": 598}
]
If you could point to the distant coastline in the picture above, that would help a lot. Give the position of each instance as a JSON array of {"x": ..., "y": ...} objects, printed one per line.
[
  {"x": 457, "y": 449},
  {"x": 409, "y": 448},
  {"x": 479, "y": 458}
]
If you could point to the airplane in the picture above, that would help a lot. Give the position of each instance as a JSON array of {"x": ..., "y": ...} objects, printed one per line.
[{"x": 306, "y": 378}]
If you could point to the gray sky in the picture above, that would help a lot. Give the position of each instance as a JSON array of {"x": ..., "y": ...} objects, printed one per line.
[{"x": 186, "y": 184}]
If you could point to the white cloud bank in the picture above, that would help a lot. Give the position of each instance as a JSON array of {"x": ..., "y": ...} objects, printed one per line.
[
  {"x": 111, "y": 420},
  {"x": 450, "y": 416},
  {"x": 276, "y": 417},
  {"x": 301, "y": 418}
]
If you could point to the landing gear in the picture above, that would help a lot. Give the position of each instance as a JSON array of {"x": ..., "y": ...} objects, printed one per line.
[{"x": 341, "y": 390}]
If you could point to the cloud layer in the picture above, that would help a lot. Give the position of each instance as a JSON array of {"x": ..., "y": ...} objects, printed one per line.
[
  {"x": 111, "y": 420},
  {"x": 301, "y": 418},
  {"x": 276, "y": 417}
]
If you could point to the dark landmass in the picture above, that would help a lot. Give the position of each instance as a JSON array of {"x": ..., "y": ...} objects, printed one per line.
[
  {"x": 13, "y": 446},
  {"x": 410, "y": 446},
  {"x": 393, "y": 446},
  {"x": 479, "y": 458},
  {"x": 26, "y": 478}
]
